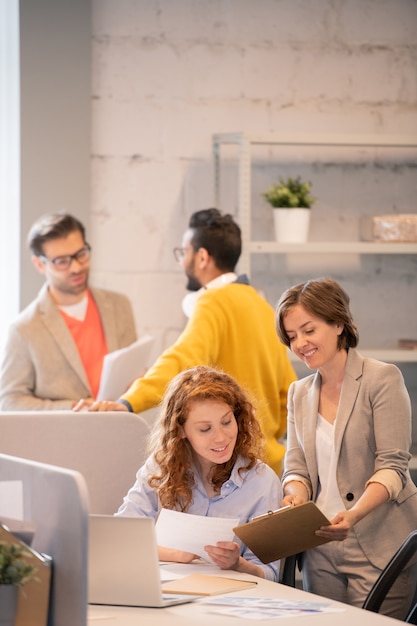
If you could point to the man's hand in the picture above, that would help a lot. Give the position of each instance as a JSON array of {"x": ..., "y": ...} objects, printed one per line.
[{"x": 99, "y": 405}]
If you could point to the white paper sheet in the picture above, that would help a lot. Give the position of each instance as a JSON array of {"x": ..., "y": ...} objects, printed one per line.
[
  {"x": 122, "y": 367},
  {"x": 11, "y": 499},
  {"x": 183, "y": 531}
]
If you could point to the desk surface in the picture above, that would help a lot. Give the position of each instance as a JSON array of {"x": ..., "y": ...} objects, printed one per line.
[{"x": 197, "y": 613}]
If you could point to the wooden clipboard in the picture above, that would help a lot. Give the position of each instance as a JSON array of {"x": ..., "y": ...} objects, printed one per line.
[{"x": 284, "y": 532}]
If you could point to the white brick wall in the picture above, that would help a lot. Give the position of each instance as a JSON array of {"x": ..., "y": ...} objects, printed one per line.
[{"x": 167, "y": 74}]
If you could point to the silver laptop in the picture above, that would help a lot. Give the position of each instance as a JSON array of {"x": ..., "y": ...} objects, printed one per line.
[{"x": 123, "y": 565}]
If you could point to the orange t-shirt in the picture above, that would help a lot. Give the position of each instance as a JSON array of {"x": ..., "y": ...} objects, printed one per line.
[{"x": 88, "y": 335}]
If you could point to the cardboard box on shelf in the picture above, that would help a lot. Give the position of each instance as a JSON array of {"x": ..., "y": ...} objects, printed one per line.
[{"x": 399, "y": 228}]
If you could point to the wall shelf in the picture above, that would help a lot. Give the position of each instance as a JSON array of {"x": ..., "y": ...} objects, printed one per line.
[
  {"x": 244, "y": 142},
  {"x": 332, "y": 247},
  {"x": 366, "y": 140}
]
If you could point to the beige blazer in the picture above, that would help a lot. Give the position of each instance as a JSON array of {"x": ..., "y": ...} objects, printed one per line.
[
  {"x": 372, "y": 432},
  {"x": 41, "y": 368}
]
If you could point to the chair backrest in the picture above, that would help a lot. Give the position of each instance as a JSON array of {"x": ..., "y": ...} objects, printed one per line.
[
  {"x": 412, "y": 616},
  {"x": 287, "y": 576},
  {"x": 106, "y": 448},
  {"x": 392, "y": 570}
]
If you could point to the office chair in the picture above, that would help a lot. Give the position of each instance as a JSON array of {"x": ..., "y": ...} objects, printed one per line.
[
  {"x": 389, "y": 574},
  {"x": 288, "y": 571},
  {"x": 412, "y": 616}
]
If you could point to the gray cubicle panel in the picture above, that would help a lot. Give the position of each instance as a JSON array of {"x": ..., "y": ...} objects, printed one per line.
[
  {"x": 55, "y": 500},
  {"x": 106, "y": 448}
]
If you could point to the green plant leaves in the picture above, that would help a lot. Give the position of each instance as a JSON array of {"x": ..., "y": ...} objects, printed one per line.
[
  {"x": 13, "y": 568},
  {"x": 290, "y": 193}
]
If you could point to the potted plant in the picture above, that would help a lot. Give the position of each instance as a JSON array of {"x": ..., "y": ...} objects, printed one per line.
[
  {"x": 14, "y": 572},
  {"x": 291, "y": 200}
]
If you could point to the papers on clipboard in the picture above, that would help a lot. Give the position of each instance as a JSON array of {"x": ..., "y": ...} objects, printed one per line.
[
  {"x": 284, "y": 532},
  {"x": 122, "y": 367}
]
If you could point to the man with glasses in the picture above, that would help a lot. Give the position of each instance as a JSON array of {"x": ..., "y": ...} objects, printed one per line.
[
  {"x": 231, "y": 327},
  {"x": 55, "y": 349}
]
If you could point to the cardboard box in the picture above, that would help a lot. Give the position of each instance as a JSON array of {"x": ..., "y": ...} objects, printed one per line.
[{"x": 394, "y": 228}]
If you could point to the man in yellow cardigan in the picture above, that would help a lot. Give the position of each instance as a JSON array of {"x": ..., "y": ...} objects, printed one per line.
[{"x": 230, "y": 327}]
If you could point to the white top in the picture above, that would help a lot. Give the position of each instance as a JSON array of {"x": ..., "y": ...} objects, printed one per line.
[
  {"x": 78, "y": 310},
  {"x": 328, "y": 498}
]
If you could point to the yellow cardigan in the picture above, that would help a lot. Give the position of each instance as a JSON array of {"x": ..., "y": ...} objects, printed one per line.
[{"x": 232, "y": 328}]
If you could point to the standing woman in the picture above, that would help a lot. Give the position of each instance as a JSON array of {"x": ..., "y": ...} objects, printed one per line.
[{"x": 348, "y": 441}]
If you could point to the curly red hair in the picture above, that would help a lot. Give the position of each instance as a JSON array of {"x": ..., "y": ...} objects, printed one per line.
[{"x": 174, "y": 455}]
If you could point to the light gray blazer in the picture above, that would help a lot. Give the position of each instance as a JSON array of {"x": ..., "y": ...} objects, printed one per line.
[
  {"x": 372, "y": 432},
  {"x": 41, "y": 368}
]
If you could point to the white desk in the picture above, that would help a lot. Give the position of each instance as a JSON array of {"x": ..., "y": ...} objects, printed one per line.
[{"x": 196, "y": 613}]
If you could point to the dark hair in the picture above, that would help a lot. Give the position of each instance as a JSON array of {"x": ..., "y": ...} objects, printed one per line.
[
  {"x": 219, "y": 235},
  {"x": 324, "y": 298},
  {"x": 174, "y": 479},
  {"x": 53, "y": 226}
]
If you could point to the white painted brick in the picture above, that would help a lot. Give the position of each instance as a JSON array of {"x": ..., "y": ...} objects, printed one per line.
[
  {"x": 379, "y": 21},
  {"x": 125, "y": 17},
  {"x": 151, "y": 296},
  {"x": 124, "y": 128},
  {"x": 140, "y": 243}
]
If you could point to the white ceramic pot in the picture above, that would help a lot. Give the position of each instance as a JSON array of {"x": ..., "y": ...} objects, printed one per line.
[
  {"x": 291, "y": 225},
  {"x": 8, "y": 604}
]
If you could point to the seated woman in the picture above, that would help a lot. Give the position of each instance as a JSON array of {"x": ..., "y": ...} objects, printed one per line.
[{"x": 205, "y": 459}]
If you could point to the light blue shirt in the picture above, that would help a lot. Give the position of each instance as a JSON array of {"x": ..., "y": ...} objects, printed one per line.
[{"x": 254, "y": 493}]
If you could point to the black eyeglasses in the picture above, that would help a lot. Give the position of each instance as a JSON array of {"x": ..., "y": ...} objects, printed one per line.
[
  {"x": 62, "y": 263},
  {"x": 179, "y": 254}
]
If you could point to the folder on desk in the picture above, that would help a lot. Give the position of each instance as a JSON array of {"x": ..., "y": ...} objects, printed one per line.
[
  {"x": 206, "y": 585},
  {"x": 284, "y": 532}
]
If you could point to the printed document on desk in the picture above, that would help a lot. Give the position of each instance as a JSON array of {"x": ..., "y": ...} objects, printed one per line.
[
  {"x": 184, "y": 531},
  {"x": 122, "y": 367},
  {"x": 267, "y": 608}
]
